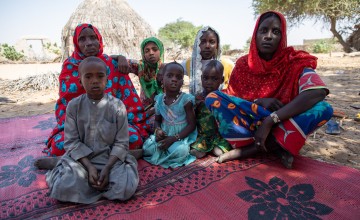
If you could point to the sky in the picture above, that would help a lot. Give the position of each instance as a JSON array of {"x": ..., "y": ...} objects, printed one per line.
[{"x": 233, "y": 19}]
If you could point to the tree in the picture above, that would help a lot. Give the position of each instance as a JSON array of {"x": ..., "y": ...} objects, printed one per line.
[
  {"x": 246, "y": 47},
  {"x": 9, "y": 52},
  {"x": 225, "y": 47},
  {"x": 179, "y": 32},
  {"x": 340, "y": 15}
]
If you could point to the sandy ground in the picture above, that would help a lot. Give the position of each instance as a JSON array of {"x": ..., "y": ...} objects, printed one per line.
[{"x": 340, "y": 73}]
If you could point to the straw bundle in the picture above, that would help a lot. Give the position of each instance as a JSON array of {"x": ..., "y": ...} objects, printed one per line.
[
  {"x": 121, "y": 27},
  {"x": 39, "y": 82}
]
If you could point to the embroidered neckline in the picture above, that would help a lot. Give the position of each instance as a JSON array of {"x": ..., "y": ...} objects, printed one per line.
[{"x": 176, "y": 97}]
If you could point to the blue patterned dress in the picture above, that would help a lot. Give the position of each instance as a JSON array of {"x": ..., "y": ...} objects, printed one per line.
[{"x": 174, "y": 121}]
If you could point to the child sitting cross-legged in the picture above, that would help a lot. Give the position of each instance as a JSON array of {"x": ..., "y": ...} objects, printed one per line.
[
  {"x": 96, "y": 163},
  {"x": 209, "y": 139},
  {"x": 175, "y": 127}
]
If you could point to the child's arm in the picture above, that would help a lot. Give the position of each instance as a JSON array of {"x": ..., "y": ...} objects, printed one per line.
[
  {"x": 120, "y": 146},
  {"x": 104, "y": 174},
  {"x": 92, "y": 171},
  {"x": 159, "y": 133},
  {"x": 73, "y": 145},
  {"x": 190, "y": 118}
]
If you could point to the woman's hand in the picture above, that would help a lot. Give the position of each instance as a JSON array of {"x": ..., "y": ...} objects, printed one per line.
[
  {"x": 103, "y": 180},
  {"x": 150, "y": 111},
  {"x": 263, "y": 132},
  {"x": 160, "y": 135},
  {"x": 123, "y": 65},
  {"x": 271, "y": 104},
  {"x": 167, "y": 142}
]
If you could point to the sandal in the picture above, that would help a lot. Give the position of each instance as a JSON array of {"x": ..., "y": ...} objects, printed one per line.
[
  {"x": 338, "y": 113},
  {"x": 357, "y": 117},
  {"x": 332, "y": 127}
]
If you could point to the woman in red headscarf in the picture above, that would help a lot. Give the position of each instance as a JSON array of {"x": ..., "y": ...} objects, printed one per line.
[
  {"x": 274, "y": 98},
  {"x": 88, "y": 42}
]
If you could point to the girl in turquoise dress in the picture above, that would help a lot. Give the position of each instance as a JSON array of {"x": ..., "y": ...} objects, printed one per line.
[{"x": 175, "y": 123}]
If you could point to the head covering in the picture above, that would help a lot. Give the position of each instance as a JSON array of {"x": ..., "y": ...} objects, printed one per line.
[
  {"x": 196, "y": 64},
  {"x": 119, "y": 85},
  {"x": 254, "y": 77},
  {"x": 148, "y": 71},
  {"x": 77, "y": 53}
]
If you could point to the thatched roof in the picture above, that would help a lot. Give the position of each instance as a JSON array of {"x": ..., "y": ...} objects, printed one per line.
[{"x": 121, "y": 27}]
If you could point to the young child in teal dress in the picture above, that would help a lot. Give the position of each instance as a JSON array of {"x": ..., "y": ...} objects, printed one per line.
[{"x": 175, "y": 124}]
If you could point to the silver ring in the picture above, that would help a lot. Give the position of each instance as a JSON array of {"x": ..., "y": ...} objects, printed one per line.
[{"x": 258, "y": 143}]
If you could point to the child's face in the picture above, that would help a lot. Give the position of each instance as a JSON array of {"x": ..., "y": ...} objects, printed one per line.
[
  {"x": 93, "y": 79},
  {"x": 88, "y": 42},
  {"x": 208, "y": 45},
  {"x": 151, "y": 53},
  {"x": 173, "y": 78},
  {"x": 211, "y": 80}
]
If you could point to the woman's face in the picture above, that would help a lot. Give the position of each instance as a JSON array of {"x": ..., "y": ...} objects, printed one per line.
[
  {"x": 208, "y": 45},
  {"x": 151, "y": 53},
  {"x": 88, "y": 42},
  {"x": 268, "y": 37}
]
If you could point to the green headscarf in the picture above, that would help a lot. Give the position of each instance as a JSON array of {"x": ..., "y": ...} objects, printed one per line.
[{"x": 148, "y": 71}]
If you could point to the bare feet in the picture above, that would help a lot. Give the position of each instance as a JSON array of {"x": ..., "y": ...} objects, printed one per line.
[
  {"x": 286, "y": 158},
  {"x": 47, "y": 163},
  {"x": 238, "y": 153},
  {"x": 137, "y": 153},
  {"x": 217, "y": 151},
  {"x": 197, "y": 154}
]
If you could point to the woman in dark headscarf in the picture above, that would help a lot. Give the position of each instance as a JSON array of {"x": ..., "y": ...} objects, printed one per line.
[{"x": 274, "y": 98}]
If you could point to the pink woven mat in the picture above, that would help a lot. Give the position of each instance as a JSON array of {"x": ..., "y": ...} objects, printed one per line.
[{"x": 254, "y": 188}]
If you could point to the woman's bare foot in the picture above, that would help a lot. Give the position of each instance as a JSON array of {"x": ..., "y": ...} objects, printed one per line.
[
  {"x": 137, "y": 153},
  {"x": 47, "y": 163},
  {"x": 197, "y": 154},
  {"x": 286, "y": 158}
]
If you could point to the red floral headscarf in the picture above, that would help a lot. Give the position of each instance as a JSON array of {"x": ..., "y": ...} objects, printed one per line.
[
  {"x": 77, "y": 53},
  {"x": 254, "y": 77}
]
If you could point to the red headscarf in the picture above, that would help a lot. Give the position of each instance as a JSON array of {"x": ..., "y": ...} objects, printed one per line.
[
  {"x": 254, "y": 77},
  {"x": 119, "y": 85}
]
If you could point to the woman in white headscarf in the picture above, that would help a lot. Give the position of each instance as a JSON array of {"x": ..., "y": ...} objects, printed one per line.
[{"x": 206, "y": 48}]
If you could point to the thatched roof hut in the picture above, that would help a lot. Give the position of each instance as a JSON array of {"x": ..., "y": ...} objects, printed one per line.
[{"x": 121, "y": 27}]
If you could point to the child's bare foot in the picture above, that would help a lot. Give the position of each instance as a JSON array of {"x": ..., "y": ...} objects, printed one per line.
[
  {"x": 47, "y": 163},
  {"x": 217, "y": 151},
  {"x": 231, "y": 155},
  {"x": 197, "y": 154},
  {"x": 137, "y": 153},
  {"x": 238, "y": 153}
]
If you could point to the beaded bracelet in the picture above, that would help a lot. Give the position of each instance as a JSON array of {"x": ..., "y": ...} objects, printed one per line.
[
  {"x": 275, "y": 117},
  {"x": 177, "y": 137}
]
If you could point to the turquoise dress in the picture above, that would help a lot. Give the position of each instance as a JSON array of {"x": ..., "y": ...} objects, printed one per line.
[{"x": 173, "y": 122}]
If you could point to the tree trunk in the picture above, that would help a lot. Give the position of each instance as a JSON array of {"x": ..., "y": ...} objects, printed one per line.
[{"x": 336, "y": 34}]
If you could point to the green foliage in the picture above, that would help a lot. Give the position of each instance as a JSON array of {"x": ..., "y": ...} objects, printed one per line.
[
  {"x": 225, "y": 47},
  {"x": 52, "y": 48},
  {"x": 340, "y": 16},
  {"x": 179, "y": 32},
  {"x": 322, "y": 47},
  {"x": 10, "y": 53}
]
